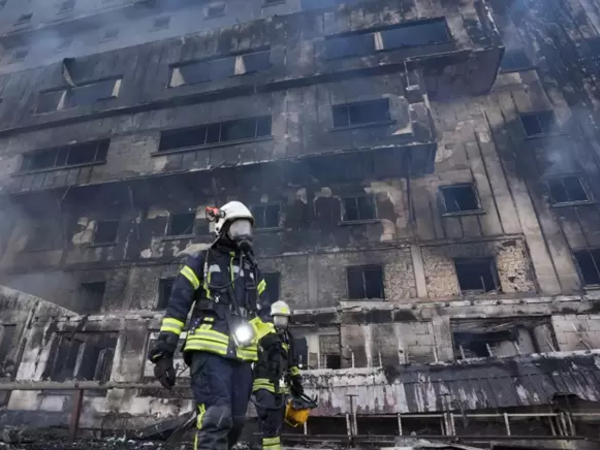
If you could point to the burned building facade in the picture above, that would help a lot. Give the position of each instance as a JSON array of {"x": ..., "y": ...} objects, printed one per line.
[{"x": 423, "y": 174}]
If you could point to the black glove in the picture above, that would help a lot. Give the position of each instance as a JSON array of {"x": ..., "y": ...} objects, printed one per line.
[
  {"x": 164, "y": 372},
  {"x": 296, "y": 387},
  {"x": 161, "y": 354}
]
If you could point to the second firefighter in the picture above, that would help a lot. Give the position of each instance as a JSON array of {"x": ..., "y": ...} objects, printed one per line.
[{"x": 276, "y": 374}]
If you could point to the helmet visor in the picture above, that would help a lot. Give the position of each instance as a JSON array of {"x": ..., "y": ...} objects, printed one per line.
[
  {"x": 281, "y": 321},
  {"x": 240, "y": 229}
]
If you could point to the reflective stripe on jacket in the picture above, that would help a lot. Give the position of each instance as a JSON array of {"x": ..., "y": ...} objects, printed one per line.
[{"x": 208, "y": 329}]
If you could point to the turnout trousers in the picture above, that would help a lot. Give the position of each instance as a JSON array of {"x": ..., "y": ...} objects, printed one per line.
[
  {"x": 270, "y": 409},
  {"x": 222, "y": 388}
]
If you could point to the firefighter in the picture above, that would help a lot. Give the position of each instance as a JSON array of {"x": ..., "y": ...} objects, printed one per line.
[
  {"x": 276, "y": 374},
  {"x": 230, "y": 303}
]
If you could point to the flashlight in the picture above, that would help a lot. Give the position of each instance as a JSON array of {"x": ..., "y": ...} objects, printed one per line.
[{"x": 243, "y": 334}]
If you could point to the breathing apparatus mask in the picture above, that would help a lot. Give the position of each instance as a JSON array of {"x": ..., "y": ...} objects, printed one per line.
[
  {"x": 240, "y": 232},
  {"x": 281, "y": 322}
]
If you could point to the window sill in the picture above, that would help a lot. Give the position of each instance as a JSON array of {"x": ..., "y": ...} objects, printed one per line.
[
  {"x": 387, "y": 123},
  {"x": 572, "y": 204},
  {"x": 178, "y": 237},
  {"x": 474, "y": 212},
  {"x": 546, "y": 136},
  {"x": 102, "y": 244},
  {"x": 55, "y": 169},
  {"x": 268, "y": 230},
  {"x": 520, "y": 69},
  {"x": 358, "y": 222},
  {"x": 209, "y": 147}
]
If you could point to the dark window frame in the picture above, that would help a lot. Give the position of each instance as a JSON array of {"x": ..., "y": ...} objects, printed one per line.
[
  {"x": 98, "y": 231},
  {"x": 68, "y": 93},
  {"x": 95, "y": 290},
  {"x": 19, "y": 56},
  {"x": 220, "y": 13},
  {"x": 552, "y": 183},
  {"x": 207, "y": 129},
  {"x": 443, "y": 201},
  {"x": 356, "y": 199},
  {"x": 24, "y": 19},
  {"x": 262, "y": 209},
  {"x": 63, "y": 153},
  {"x": 164, "y": 285},
  {"x": 161, "y": 23},
  {"x": 70, "y": 346},
  {"x": 172, "y": 217},
  {"x": 66, "y": 6},
  {"x": 363, "y": 269},
  {"x": 587, "y": 273},
  {"x": 484, "y": 323},
  {"x": 478, "y": 262},
  {"x": 273, "y": 278},
  {"x": 336, "y": 112},
  {"x": 541, "y": 122},
  {"x": 363, "y": 48}
]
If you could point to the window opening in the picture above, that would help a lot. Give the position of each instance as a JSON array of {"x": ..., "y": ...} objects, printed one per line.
[
  {"x": 361, "y": 113},
  {"x": 359, "y": 208},
  {"x": 365, "y": 282},
  {"x": 567, "y": 190},
  {"x": 266, "y": 216},
  {"x": 588, "y": 262},
  {"x": 181, "y": 224},
  {"x": 476, "y": 274},
  {"x": 92, "y": 296},
  {"x": 273, "y": 281},
  {"x": 106, "y": 232},
  {"x": 459, "y": 198},
  {"x": 165, "y": 287},
  {"x": 539, "y": 123},
  {"x": 515, "y": 60}
]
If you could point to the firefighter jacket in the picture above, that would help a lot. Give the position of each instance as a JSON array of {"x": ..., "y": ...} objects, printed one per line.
[
  {"x": 263, "y": 374},
  {"x": 226, "y": 290}
]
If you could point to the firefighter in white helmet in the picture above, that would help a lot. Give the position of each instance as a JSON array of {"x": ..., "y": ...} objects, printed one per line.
[
  {"x": 230, "y": 316},
  {"x": 276, "y": 374}
]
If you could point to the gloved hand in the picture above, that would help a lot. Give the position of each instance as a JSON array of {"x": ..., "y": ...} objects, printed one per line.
[
  {"x": 161, "y": 355},
  {"x": 164, "y": 372},
  {"x": 296, "y": 387}
]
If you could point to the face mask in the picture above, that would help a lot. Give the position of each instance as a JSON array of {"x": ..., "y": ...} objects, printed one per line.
[
  {"x": 281, "y": 321},
  {"x": 240, "y": 230}
]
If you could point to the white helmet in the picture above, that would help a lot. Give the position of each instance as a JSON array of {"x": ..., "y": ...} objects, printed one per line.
[
  {"x": 280, "y": 308},
  {"x": 229, "y": 212}
]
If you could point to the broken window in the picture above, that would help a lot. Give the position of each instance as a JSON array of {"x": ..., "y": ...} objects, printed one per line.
[
  {"x": 242, "y": 129},
  {"x": 66, "y": 5},
  {"x": 92, "y": 296},
  {"x": 273, "y": 281},
  {"x": 329, "y": 350},
  {"x": 69, "y": 155},
  {"x": 540, "y": 123},
  {"x": 482, "y": 338},
  {"x": 24, "y": 19},
  {"x": 8, "y": 334},
  {"x": 365, "y": 282},
  {"x": 588, "y": 262},
  {"x": 165, "y": 286},
  {"x": 567, "y": 189},
  {"x": 81, "y": 356},
  {"x": 83, "y": 95},
  {"x": 459, "y": 198},
  {"x": 361, "y": 113},
  {"x": 19, "y": 56},
  {"x": 106, "y": 232},
  {"x": 359, "y": 208},
  {"x": 266, "y": 216},
  {"x": 110, "y": 34},
  {"x": 417, "y": 34},
  {"x": 45, "y": 235},
  {"x": 476, "y": 274},
  {"x": 514, "y": 60},
  {"x": 351, "y": 45},
  {"x": 181, "y": 224},
  {"x": 215, "y": 10},
  {"x": 161, "y": 23}
]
